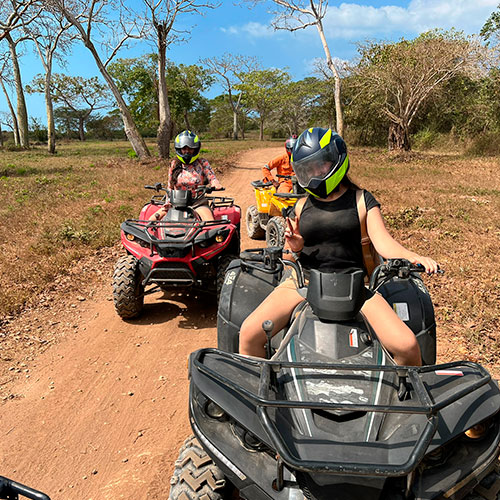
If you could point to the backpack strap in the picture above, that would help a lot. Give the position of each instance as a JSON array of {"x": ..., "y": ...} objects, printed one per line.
[
  {"x": 360, "y": 203},
  {"x": 366, "y": 244}
]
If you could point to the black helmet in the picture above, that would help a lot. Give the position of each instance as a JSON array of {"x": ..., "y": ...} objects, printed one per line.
[
  {"x": 290, "y": 143},
  {"x": 320, "y": 161},
  {"x": 191, "y": 140}
]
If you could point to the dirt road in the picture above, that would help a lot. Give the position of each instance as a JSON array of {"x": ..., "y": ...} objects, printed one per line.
[{"x": 102, "y": 412}]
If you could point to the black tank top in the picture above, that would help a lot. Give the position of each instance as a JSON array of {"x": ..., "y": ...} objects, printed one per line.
[{"x": 332, "y": 232}]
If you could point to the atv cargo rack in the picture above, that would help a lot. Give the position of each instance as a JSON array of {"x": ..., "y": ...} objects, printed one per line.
[
  {"x": 465, "y": 378},
  {"x": 11, "y": 489}
]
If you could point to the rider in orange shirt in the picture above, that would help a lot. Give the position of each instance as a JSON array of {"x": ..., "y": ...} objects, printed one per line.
[{"x": 282, "y": 166}]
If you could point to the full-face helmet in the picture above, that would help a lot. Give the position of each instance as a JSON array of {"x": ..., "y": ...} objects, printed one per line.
[
  {"x": 191, "y": 140},
  {"x": 290, "y": 143},
  {"x": 320, "y": 161}
]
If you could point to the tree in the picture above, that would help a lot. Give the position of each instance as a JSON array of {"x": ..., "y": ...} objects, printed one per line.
[
  {"x": 263, "y": 90},
  {"x": 82, "y": 95},
  {"x": 85, "y": 15},
  {"x": 49, "y": 33},
  {"x": 13, "y": 14},
  {"x": 400, "y": 77},
  {"x": 162, "y": 15},
  {"x": 491, "y": 29},
  {"x": 227, "y": 70},
  {"x": 136, "y": 80},
  {"x": 5, "y": 80},
  {"x": 186, "y": 83},
  {"x": 299, "y": 14}
]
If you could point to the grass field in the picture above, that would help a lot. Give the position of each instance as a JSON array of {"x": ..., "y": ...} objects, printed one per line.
[{"x": 56, "y": 209}]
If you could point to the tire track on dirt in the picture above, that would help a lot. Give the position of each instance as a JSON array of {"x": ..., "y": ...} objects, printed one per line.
[{"x": 104, "y": 411}]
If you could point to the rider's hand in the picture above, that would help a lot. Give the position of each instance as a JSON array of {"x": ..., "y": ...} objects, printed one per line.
[
  {"x": 431, "y": 266},
  {"x": 292, "y": 236},
  {"x": 216, "y": 185},
  {"x": 275, "y": 183}
]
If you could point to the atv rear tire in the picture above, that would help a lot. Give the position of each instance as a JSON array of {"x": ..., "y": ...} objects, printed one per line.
[
  {"x": 275, "y": 232},
  {"x": 222, "y": 266},
  {"x": 254, "y": 229},
  {"x": 195, "y": 476},
  {"x": 128, "y": 291}
]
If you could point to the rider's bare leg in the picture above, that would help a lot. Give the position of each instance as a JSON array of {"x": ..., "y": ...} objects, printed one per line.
[
  {"x": 278, "y": 306},
  {"x": 397, "y": 338},
  {"x": 204, "y": 213}
]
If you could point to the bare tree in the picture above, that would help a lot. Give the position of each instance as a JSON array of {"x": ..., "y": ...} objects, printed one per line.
[
  {"x": 296, "y": 15},
  {"x": 228, "y": 70},
  {"x": 162, "y": 15},
  {"x": 49, "y": 33},
  {"x": 5, "y": 79},
  {"x": 400, "y": 77},
  {"x": 86, "y": 15},
  {"x": 13, "y": 14}
]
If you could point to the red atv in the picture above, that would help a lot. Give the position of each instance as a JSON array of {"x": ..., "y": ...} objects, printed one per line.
[{"x": 179, "y": 251}]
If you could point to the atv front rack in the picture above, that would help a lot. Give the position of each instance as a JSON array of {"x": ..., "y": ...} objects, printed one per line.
[
  {"x": 11, "y": 489},
  {"x": 265, "y": 399}
]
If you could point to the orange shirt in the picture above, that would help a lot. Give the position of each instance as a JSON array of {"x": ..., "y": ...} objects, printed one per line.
[{"x": 283, "y": 167}]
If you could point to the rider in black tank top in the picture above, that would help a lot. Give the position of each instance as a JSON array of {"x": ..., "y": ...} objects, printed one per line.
[{"x": 332, "y": 232}]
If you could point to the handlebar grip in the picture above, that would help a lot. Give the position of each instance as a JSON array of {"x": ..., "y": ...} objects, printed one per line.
[{"x": 251, "y": 256}]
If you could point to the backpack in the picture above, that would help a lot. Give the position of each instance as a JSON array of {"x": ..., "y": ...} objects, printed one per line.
[{"x": 371, "y": 258}]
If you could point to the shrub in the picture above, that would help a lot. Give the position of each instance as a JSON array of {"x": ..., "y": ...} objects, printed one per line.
[{"x": 485, "y": 144}]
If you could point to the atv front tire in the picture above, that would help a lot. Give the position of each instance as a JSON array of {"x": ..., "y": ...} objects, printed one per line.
[
  {"x": 195, "y": 476},
  {"x": 254, "y": 228},
  {"x": 128, "y": 291},
  {"x": 275, "y": 232}
]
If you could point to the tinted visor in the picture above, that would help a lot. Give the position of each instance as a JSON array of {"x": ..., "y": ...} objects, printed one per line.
[
  {"x": 187, "y": 140},
  {"x": 314, "y": 169}
]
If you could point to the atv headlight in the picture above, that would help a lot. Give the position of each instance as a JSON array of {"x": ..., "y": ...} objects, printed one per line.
[
  {"x": 213, "y": 410},
  {"x": 130, "y": 237},
  {"x": 478, "y": 431},
  {"x": 219, "y": 238}
]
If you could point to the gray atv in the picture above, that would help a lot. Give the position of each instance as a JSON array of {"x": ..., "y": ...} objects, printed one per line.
[{"x": 329, "y": 415}]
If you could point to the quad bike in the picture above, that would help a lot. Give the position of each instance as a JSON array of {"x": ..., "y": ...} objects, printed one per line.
[
  {"x": 329, "y": 415},
  {"x": 10, "y": 490},
  {"x": 265, "y": 218},
  {"x": 180, "y": 251}
]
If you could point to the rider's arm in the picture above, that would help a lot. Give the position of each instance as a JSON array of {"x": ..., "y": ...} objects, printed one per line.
[
  {"x": 210, "y": 175},
  {"x": 170, "y": 171},
  {"x": 388, "y": 247},
  {"x": 266, "y": 174}
]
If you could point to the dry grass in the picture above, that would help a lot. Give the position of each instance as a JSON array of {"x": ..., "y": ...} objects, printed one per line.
[
  {"x": 447, "y": 207},
  {"x": 54, "y": 210}
]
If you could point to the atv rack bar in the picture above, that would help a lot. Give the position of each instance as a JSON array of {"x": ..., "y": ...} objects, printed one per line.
[
  {"x": 427, "y": 406},
  {"x": 11, "y": 489}
]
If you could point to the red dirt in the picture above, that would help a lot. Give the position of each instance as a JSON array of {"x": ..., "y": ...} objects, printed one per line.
[{"x": 95, "y": 407}]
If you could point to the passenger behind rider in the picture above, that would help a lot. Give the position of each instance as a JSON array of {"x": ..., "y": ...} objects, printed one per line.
[
  {"x": 189, "y": 171},
  {"x": 326, "y": 235},
  {"x": 283, "y": 167}
]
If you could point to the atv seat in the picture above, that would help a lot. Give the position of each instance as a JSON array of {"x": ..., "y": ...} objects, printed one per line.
[{"x": 289, "y": 195}]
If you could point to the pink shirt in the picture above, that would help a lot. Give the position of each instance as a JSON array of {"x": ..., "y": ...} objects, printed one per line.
[{"x": 192, "y": 176}]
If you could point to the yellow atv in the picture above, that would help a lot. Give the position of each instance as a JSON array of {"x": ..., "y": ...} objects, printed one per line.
[{"x": 265, "y": 218}]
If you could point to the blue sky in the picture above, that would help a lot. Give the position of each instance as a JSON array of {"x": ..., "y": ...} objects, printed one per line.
[{"x": 245, "y": 29}]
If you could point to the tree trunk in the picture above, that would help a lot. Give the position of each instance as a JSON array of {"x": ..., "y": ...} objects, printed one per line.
[
  {"x": 81, "y": 129},
  {"x": 22, "y": 112},
  {"x": 261, "y": 129},
  {"x": 235, "y": 126},
  {"x": 133, "y": 135},
  {"x": 15, "y": 127},
  {"x": 1, "y": 136},
  {"x": 339, "y": 114},
  {"x": 186, "y": 120},
  {"x": 51, "y": 128},
  {"x": 165, "y": 127},
  {"x": 399, "y": 138}
]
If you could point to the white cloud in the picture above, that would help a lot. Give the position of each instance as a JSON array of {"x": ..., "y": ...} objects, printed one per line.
[
  {"x": 354, "y": 21},
  {"x": 252, "y": 30}
]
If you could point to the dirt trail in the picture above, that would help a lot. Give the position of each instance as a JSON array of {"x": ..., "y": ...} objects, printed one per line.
[{"x": 102, "y": 413}]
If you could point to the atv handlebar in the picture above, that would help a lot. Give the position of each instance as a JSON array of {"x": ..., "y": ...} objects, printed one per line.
[{"x": 10, "y": 487}]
